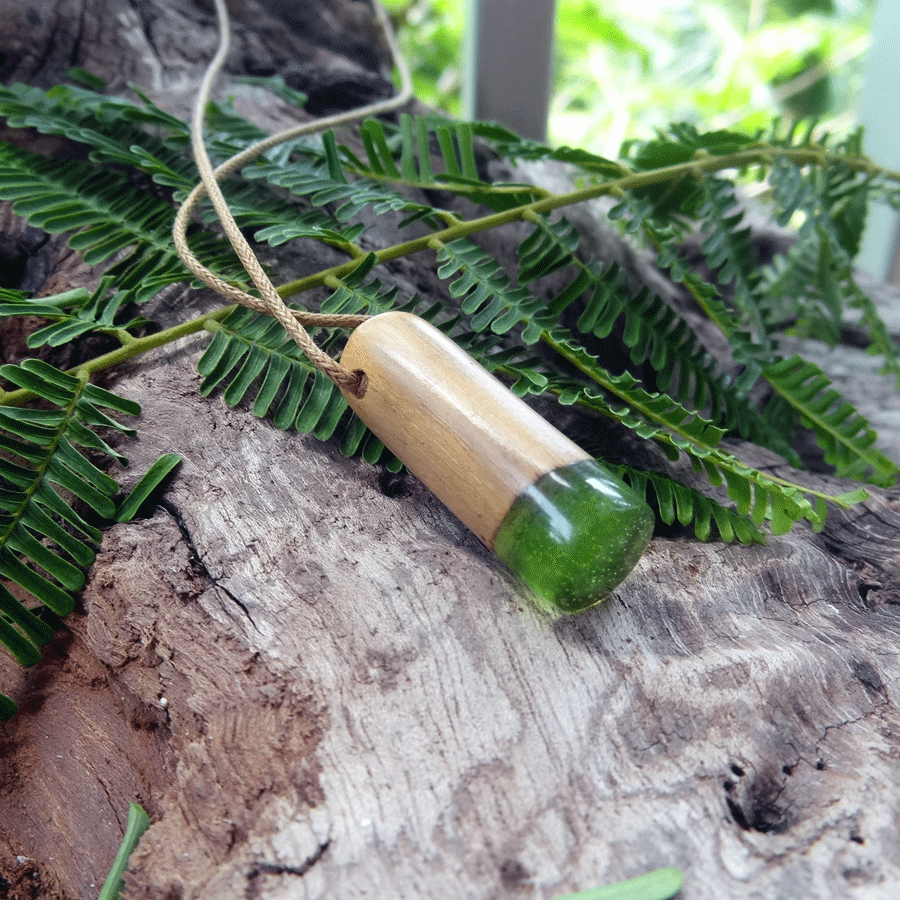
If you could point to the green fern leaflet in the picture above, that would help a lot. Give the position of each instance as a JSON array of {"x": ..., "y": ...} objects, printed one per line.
[{"x": 53, "y": 498}]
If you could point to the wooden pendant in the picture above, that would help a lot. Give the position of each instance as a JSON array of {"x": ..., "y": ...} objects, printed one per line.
[{"x": 561, "y": 521}]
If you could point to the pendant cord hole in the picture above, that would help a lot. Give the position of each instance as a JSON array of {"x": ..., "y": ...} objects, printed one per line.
[{"x": 361, "y": 384}]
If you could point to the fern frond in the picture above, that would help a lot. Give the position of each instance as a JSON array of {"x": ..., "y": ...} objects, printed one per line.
[
  {"x": 252, "y": 358},
  {"x": 276, "y": 221},
  {"x": 652, "y": 331},
  {"x": 487, "y": 296},
  {"x": 20, "y": 303},
  {"x": 803, "y": 291},
  {"x": 677, "y": 430},
  {"x": 681, "y": 143},
  {"x": 513, "y": 147},
  {"x": 119, "y": 131},
  {"x": 403, "y": 156},
  {"x": 108, "y": 216},
  {"x": 549, "y": 246},
  {"x": 142, "y": 493},
  {"x": 790, "y": 189},
  {"x": 637, "y": 215},
  {"x": 228, "y": 131},
  {"x": 45, "y": 544},
  {"x": 657, "y": 408},
  {"x": 321, "y": 177},
  {"x": 842, "y": 432},
  {"x": 689, "y": 507},
  {"x": 881, "y": 343},
  {"x": 845, "y": 197},
  {"x": 809, "y": 289},
  {"x": 73, "y": 314},
  {"x": 728, "y": 248},
  {"x": 406, "y": 153},
  {"x": 140, "y": 136},
  {"x": 755, "y": 494},
  {"x": 353, "y": 294}
]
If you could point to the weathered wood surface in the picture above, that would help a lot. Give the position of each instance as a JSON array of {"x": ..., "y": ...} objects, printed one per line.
[{"x": 359, "y": 703}]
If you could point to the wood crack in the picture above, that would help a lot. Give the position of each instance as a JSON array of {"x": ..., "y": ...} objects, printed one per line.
[
  {"x": 266, "y": 868},
  {"x": 198, "y": 562}
]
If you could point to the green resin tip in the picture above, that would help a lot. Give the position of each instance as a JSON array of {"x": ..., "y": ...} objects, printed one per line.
[{"x": 575, "y": 534}]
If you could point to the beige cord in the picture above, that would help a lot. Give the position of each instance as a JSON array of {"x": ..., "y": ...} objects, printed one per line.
[{"x": 271, "y": 301}]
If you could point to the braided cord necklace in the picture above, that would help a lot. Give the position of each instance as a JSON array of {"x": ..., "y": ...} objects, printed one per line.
[
  {"x": 563, "y": 522},
  {"x": 293, "y": 321}
]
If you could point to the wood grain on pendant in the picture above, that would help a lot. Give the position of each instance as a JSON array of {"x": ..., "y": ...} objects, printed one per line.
[{"x": 475, "y": 444}]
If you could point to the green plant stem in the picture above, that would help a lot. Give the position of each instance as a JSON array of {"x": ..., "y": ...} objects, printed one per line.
[
  {"x": 124, "y": 337},
  {"x": 701, "y": 165},
  {"x": 668, "y": 428},
  {"x": 133, "y": 347}
]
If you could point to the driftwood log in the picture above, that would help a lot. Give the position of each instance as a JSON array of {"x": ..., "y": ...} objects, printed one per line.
[{"x": 320, "y": 685}]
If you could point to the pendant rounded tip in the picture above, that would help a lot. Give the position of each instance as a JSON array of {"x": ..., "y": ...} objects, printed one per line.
[{"x": 574, "y": 535}]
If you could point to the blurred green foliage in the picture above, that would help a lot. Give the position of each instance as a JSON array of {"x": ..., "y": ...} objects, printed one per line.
[{"x": 624, "y": 69}]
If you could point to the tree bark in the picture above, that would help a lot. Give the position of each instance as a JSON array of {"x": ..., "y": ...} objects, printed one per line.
[{"x": 319, "y": 684}]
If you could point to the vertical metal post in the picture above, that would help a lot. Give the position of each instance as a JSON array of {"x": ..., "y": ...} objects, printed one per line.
[
  {"x": 509, "y": 63},
  {"x": 878, "y": 113}
]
